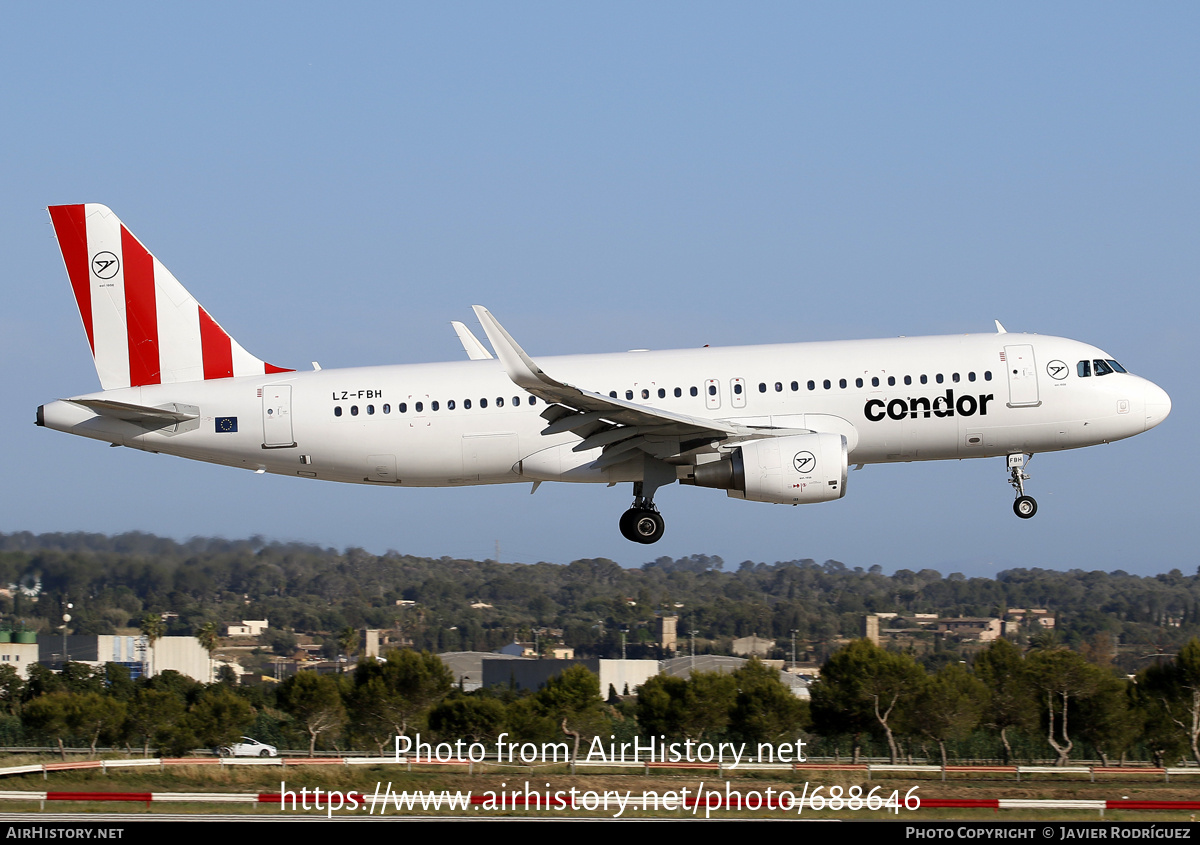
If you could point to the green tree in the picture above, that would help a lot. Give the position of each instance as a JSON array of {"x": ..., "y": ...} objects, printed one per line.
[
  {"x": 217, "y": 718},
  {"x": 49, "y": 715},
  {"x": 764, "y": 709},
  {"x": 573, "y": 701},
  {"x": 861, "y": 688},
  {"x": 95, "y": 717},
  {"x": 949, "y": 706},
  {"x": 1108, "y": 719},
  {"x": 1174, "y": 689},
  {"x": 1010, "y": 703},
  {"x": 151, "y": 715},
  {"x": 479, "y": 718},
  {"x": 152, "y": 629},
  {"x": 315, "y": 701},
  {"x": 1061, "y": 677},
  {"x": 11, "y": 689},
  {"x": 412, "y": 682},
  {"x": 348, "y": 644},
  {"x": 209, "y": 640}
]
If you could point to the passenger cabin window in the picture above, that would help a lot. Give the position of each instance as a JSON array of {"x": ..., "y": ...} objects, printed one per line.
[
  {"x": 874, "y": 381},
  {"x": 370, "y": 410},
  {"x": 418, "y": 407},
  {"x": 827, "y": 384},
  {"x": 482, "y": 404},
  {"x": 812, "y": 385},
  {"x": 795, "y": 386},
  {"x": 779, "y": 387},
  {"x": 613, "y": 394},
  {"x": 694, "y": 391},
  {"x": 678, "y": 392},
  {"x": 908, "y": 379},
  {"x": 628, "y": 394},
  {"x": 924, "y": 379},
  {"x": 433, "y": 406},
  {"x": 337, "y": 410},
  {"x": 712, "y": 390},
  {"x": 645, "y": 394},
  {"x": 891, "y": 381},
  {"x": 662, "y": 394},
  {"x": 449, "y": 406},
  {"x": 403, "y": 407},
  {"x": 858, "y": 382},
  {"x": 387, "y": 409},
  {"x": 939, "y": 378}
]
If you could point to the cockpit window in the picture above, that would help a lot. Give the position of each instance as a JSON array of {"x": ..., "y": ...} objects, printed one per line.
[
  {"x": 1102, "y": 369},
  {"x": 1115, "y": 365},
  {"x": 1084, "y": 368}
]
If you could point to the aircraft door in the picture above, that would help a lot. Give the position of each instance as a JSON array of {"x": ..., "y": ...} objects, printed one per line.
[
  {"x": 737, "y": 390},
  {"x": 712, "y": 394},
  {"x": 1022, "y": 376},
  {"x": 277, "y": 416}
]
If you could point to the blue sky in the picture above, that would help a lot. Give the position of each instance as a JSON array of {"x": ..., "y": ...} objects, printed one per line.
[{"x": 337, "y": 185}]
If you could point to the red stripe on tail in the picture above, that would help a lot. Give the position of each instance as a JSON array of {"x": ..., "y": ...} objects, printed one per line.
[
  {"x": 71, "y": 230},
  {"x": 216, "y": 348},
  {"x": 141, "y": 312}
]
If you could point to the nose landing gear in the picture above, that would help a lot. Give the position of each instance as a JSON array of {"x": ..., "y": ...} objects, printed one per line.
[
  {"x": 642, "y": 523},
  {"x": 1024, "y": 506}
]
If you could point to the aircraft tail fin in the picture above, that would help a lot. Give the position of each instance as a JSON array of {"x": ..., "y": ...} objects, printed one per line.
[{"x": 141, "y": 323}]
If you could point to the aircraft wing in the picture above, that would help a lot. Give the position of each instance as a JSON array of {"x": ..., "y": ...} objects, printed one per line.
[{"x": 603, "y": 421}]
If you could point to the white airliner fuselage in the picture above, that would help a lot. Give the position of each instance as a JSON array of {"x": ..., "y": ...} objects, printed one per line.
[{"x": 776, "y": 423}]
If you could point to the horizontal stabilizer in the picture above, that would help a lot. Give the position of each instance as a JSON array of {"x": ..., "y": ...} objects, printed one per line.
[{"x": 140, "y": 414}]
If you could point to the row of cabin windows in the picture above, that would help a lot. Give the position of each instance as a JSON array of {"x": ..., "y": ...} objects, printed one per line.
[
  {"x": 940, "y": 378},
  {"x": 827, "y": 384},
  {"x": 955, "y": 378},
  {"x": 435, "y": 405},
  {"x": 662, "y": 393}
]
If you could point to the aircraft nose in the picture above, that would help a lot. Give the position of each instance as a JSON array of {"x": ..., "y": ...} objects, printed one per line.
[{"x": 1158, "y": 405}]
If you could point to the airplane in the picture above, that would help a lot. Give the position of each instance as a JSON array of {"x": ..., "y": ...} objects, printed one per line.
[{"x": 779, "y": 423}]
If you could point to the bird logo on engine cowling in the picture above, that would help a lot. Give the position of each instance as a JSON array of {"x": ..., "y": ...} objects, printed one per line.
[{"x": 804, "y": 461}]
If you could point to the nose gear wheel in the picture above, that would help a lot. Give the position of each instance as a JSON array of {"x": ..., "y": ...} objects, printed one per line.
[{"x": 1025, "y": 506}]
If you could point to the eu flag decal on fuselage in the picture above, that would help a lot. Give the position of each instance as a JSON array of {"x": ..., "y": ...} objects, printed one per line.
[{"x": 226, "y": 425}]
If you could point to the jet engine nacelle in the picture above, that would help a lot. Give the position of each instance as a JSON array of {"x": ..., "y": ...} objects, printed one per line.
[{"x": 794, "y": 470}]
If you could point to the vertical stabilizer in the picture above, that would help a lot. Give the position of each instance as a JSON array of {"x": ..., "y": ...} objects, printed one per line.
[{"x": 142, "y": 325}]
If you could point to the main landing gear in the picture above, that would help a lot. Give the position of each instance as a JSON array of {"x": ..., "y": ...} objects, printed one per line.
[
  {"x": 642, "y": 523},
  {"x": 1024, "y": 506}
]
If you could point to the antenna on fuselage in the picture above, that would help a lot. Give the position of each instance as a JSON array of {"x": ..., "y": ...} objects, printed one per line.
[{"x": 1000, "y": 329}]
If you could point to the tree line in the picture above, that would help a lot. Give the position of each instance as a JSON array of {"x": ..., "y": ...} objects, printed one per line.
[
  {"x": 1007, "y": 704},
  {"x": 307, "y": 590}
]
